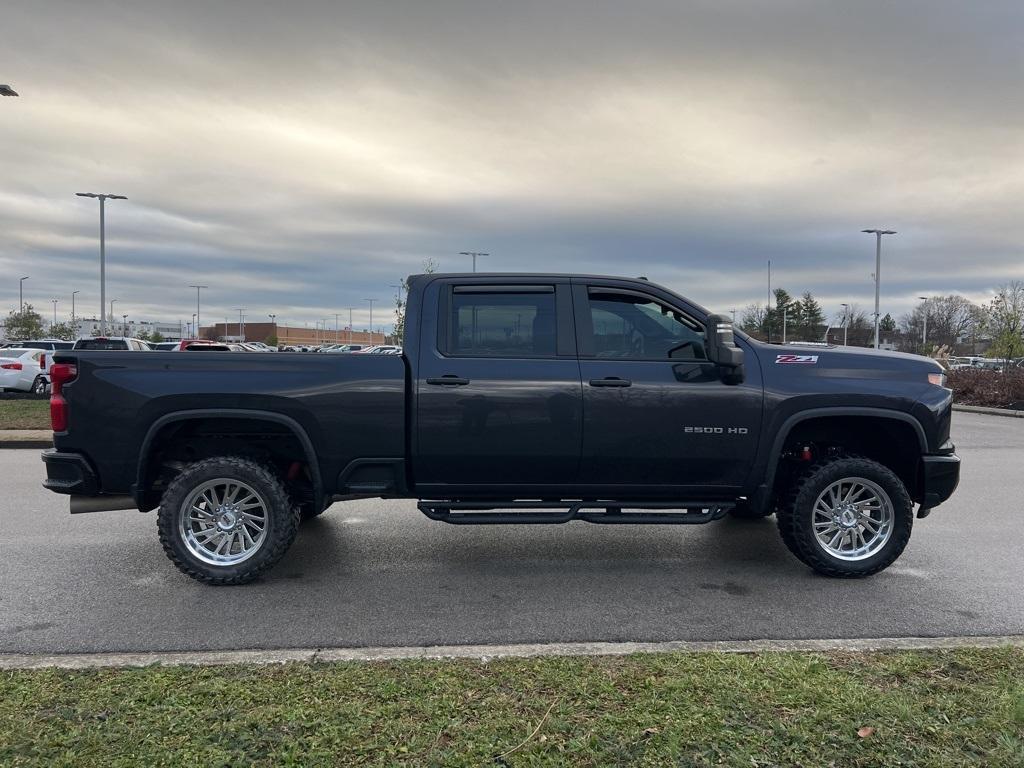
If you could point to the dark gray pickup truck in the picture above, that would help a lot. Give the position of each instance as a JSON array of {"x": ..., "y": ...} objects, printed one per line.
[{"x": 519, "y": 399}]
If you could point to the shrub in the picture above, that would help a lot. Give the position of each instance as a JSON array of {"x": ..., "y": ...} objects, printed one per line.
[{"x": 987, "y": 388}]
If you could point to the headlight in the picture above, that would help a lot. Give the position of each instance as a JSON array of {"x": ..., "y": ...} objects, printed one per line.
[{"x": 938, "y": 379}]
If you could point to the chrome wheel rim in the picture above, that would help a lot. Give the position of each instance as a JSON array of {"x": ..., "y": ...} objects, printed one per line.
[
  {"x": 853, "y": 519},
  {"x": 223, "y": 522}
]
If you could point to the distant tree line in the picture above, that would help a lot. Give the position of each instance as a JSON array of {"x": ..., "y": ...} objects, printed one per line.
[{"x": 953, "y": 322}]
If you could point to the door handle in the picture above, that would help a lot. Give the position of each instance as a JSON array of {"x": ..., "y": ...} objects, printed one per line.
[
  {"x": 449, "y": 380},
  {"x": 611, "y": 381}
]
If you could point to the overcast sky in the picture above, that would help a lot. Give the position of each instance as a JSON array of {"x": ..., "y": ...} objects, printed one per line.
[{"x": 301, "y": 157}]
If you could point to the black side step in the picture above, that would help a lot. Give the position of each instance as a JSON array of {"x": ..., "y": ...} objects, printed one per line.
[{"x": 601, "y": 511}]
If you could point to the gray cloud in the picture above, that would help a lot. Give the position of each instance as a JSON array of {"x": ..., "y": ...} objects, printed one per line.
[{"x": 301, "y": 157}]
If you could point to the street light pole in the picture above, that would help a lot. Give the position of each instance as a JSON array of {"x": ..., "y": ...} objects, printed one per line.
[
  {"x": 193, "y": 333},
  {"x": 21, "y": 294},
  {"x": 124, "y": 326},
  {"x": 878, "y": 268},
  {"x": 846, "y": 321},
  {"x": 350, "y": 325},
  {"x": 54, "y": 311},
  {"x": 241, "y": 330},
  {"x": 371, "y": 318},
  {"x": 103, "y": 251},
  {"x": 74, "y": 319},
  {"x": 102, "y": 324},
  {"x": 474, "y": 254},
  {"x": 195, "y": 317}
]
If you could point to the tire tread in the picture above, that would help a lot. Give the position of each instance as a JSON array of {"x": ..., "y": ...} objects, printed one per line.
[{"x": 286, "y": 528}]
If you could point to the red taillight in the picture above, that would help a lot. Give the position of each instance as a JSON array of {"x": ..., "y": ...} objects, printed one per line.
[
  {"x": 42, "y": 361},
  {"x": 11, "y": 366},
  {"x": 60, "y": 374}
]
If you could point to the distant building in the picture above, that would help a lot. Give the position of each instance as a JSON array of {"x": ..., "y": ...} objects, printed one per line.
[
  {"x": 90, "y": 326},
  {"x": 290, "y": 335}
]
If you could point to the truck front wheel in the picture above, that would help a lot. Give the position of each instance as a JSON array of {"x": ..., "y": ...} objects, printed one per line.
[
  {"x": 847, "y": 517},
  {"x": 226, "y": 520}
]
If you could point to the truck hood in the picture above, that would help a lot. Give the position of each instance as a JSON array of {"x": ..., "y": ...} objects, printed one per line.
[{"x": 850, "y": 362}]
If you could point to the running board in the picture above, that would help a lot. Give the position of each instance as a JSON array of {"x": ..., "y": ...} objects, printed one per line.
[{"x": 601, "y": 511}]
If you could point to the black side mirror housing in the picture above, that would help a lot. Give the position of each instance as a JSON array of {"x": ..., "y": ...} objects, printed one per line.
[{"x": 722, "y": 349}]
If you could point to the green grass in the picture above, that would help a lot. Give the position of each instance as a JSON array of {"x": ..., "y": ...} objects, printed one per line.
[
  {"x": 947, "y": 708},
  {"x": 24, "y": 414}
]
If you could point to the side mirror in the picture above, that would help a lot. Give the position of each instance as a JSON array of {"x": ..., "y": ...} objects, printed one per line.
[{"x": 722, "y": 349}]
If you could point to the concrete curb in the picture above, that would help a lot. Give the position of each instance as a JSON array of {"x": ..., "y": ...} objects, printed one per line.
[
  {"x": 489, "y": 652},
  {"x": 989, "y": 411},
  {"x": 26, "y": 438}
]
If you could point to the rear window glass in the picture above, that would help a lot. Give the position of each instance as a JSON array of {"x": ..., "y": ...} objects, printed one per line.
[
  {"x": 107, "y": 344},
  {"x": 503, "y": 324}
]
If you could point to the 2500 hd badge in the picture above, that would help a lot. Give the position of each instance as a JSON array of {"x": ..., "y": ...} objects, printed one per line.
[{"x": 716, "y": 430}]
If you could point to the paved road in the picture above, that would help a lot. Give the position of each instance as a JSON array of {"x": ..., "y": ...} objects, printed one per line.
[{"x": 379, "y": 573}]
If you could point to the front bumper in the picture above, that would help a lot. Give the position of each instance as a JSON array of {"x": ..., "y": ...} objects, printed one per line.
[
  {"x": 941, "y": 475},
  {"x": 69, "y": 473}
]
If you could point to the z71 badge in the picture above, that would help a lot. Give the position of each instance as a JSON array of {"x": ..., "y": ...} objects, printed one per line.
[{"x": 799, "y": 359}]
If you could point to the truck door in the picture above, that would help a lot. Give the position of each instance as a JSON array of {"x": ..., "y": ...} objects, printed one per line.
[
  {"x": 656, "y": 415},
  {"x": 498, "y": 398}
]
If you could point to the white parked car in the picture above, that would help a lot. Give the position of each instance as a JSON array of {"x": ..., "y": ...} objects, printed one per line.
[{"x": 22, "y": 370}]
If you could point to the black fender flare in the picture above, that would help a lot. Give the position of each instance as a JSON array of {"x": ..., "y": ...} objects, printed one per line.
[
  {"x": 763, "y": 492},
  {"x": 138, "y": 489}
]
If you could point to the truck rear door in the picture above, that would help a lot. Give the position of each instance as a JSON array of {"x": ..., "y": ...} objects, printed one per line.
[{"x": 499, "y": 397}]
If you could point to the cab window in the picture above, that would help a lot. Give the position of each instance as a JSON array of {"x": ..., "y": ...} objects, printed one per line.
[
  {"x": 496, "y": 323},
  {"x": 635, "y": 327}
]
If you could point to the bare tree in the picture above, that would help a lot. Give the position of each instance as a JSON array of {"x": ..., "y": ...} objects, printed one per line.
[
  {"x": 755, "y": 320},
  {"x": 950, "y": 318}
]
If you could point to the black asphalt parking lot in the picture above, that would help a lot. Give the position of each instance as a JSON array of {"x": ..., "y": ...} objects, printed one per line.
[{"x": 378, "y": 573}]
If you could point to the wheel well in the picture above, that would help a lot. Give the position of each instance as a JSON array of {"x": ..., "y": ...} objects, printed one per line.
[
  {"x": 891, "y": 442},
  {"x": 180, "y": 443}
]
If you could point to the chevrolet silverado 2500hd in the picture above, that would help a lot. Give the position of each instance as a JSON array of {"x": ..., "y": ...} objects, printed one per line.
[{"x": 518, "y": 399}]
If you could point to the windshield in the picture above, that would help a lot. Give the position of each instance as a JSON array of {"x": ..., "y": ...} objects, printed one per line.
[{"x": 107, "y": 344}]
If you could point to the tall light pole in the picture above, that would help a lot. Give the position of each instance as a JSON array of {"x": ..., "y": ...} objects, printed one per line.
[
  {"x": 878, "y": 268},
  {"x": 103, "y": 252},
  {"x": 241, "y": 328},
  {"x": 195, "y": 317},
  {"x": 337, "y": 322},
  {"x": 21, "y": 294},
  {"x": 846, "y": 321},
  {"x": 371, "y": 318},
  {"x": 350, "y": 325},
  {"x": 103, "y": 325},
  {"x": 124, "y": 326},
  {"x": 54, "y": 311},
  {"x": 924, "y": 335},
  {"x": 74, "y": 319},
  {"x": 194, "y": 333},
  {"x": 474, "y": 254}
]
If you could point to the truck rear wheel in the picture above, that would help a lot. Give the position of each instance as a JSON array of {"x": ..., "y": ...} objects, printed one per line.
[
  {"x": 226, "y": 520},
  {"x": 847, "y": 517}
]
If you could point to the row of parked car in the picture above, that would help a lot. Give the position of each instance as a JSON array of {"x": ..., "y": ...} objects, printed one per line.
[
  {"x": 25, "y": 365},
  {"x": 360, "y": 349},
  {"x": 986, "y": 364}
]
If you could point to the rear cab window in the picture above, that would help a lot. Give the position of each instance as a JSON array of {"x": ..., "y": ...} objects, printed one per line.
[{"x": 502, "y": 321}]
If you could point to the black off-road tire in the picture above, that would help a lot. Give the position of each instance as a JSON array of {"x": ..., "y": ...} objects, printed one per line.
[
  {"x": 39, "y": 386},
  {"x": 795, "y": 516},
  {"x": 281, "y": 527},
  {"x": 744, "y": 511}
]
